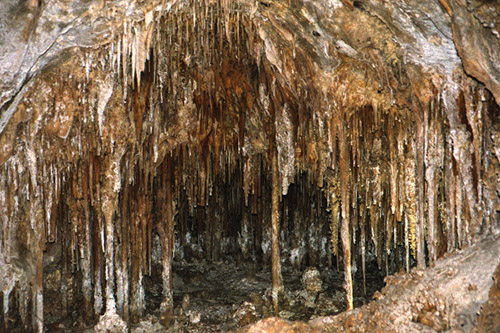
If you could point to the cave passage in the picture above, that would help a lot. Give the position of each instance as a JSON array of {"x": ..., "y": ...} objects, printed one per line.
[
  {"x": 201, "y": 165},
  {"x": 222, "y": 259}
]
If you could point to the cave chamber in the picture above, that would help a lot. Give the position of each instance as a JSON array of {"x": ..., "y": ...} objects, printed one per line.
[{"x": 149, "y": 146}]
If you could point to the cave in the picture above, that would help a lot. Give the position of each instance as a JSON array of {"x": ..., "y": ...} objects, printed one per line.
[{"x": 250, "y": 166}]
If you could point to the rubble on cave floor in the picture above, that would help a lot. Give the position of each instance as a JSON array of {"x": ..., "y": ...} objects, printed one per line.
[
  {"x": 227, "y": 295},
  {"x": 234, "y": 296}
]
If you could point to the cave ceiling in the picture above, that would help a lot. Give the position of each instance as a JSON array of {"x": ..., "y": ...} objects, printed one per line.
[{"x": 123, "y": 116}]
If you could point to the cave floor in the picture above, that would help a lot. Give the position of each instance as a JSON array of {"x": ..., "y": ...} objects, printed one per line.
[{"x": 227, "y": 295}]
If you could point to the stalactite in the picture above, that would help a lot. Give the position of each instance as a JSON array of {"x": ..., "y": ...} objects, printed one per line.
[{"x": 474, "y": 115}]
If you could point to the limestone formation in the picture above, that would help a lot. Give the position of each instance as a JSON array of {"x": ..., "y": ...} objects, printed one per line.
[{"x": 325, "y": 133}]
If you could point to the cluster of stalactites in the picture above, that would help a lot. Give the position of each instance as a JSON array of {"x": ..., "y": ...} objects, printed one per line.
[
  {"x": 417, "y": 181},
  {"x": 175, "y": 33},
  {"x": 48, "y": 155}
]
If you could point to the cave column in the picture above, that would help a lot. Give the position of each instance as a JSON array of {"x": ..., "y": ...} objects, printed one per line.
[
  {"x": 275, "y": 222},
  {"x": 38, "y": 290},
  {"x": 2, "y": 319},
  {"x": 109, "y": 203},
  {"x": 37, "y": 236},
  {"x": 420, "y": 181},
  {"x": 112, "y": 184},
  {"x": 166, "y": 232},
  {"x": 344, "y": 227},
  {"x": 109, "y": 273},
  {"x": 86, "y": 261},
  {"x": 136, "y": 288}
]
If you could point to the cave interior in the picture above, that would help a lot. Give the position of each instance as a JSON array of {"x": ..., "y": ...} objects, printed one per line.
[{"x": 159, "y": 157}]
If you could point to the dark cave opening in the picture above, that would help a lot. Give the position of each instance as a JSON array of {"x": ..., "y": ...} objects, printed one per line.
[{"x": 221, "y": 269}]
